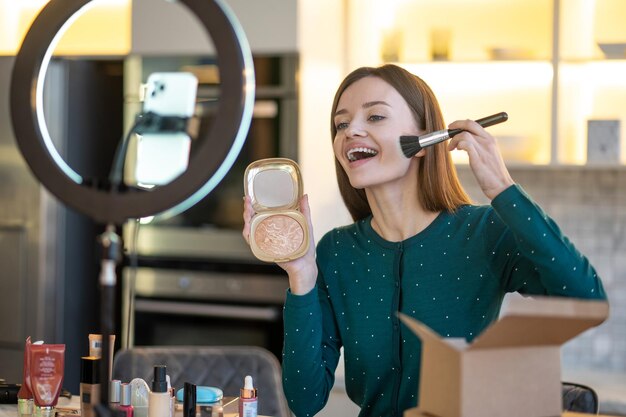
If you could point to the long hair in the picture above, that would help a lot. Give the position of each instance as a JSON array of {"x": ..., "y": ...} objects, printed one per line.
[{"x": 438, "y": 184}]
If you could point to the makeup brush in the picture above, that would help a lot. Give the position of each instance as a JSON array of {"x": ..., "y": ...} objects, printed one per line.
[{"x": 413, "y": 144}]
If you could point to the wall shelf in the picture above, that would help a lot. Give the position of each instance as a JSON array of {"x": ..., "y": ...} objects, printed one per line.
[{"x": 480, "y": 58}]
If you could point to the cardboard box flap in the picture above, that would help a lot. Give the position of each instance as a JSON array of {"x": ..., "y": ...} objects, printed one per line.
[
  {"x": 427, "y": 335},
  {"x": 541, "y": 321}
]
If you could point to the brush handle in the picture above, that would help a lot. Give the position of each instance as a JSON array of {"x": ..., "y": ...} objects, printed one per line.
[
  {"x": 494, "y": 119},
  {"x": 411, "y": 145}
]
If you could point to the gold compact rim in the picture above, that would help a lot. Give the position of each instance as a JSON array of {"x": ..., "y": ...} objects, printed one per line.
[
  {"x": 262, "y": 254},
  {"x": 285, "y": 165}
]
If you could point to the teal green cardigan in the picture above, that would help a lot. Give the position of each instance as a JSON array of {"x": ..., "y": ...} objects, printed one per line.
[{"x": 452, "y": 276}]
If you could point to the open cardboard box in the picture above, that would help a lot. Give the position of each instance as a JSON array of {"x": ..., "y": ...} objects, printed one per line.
[{"x": 512, "y": 369}]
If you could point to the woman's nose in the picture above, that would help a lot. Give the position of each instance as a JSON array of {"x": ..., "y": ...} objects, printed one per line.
[{"x": 355, "y": 129}]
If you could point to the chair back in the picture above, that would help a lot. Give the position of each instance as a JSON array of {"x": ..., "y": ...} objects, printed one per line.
[
  {"x": 224, "y": 367},
  {"x": 579, "y": 398}
]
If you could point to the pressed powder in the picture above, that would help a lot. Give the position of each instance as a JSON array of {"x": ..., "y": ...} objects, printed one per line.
[
  {"x": 278, "y": 231},
  {"x": 279, "y": 235}
]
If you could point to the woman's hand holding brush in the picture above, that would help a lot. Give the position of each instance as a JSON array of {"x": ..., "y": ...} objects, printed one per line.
[
  {"x": 470, "y": 136},
  {"x": 485, "y": 158}
]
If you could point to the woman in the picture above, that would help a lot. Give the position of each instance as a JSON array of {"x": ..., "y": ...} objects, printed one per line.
[{"x": 417, "y": 246}]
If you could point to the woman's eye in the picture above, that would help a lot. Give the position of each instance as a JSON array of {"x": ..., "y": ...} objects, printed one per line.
[
  {"x": 375, "y": 118},
  {"x": 341, "y": 125}
]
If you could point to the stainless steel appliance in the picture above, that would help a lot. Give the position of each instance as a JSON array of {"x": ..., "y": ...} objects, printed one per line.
[
  {"x": 197, "y": 281},
  {"x": 230, "y": 304}
]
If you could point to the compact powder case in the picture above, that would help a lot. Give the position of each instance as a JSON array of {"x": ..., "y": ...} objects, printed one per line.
[{"x": 278, "y": 231}]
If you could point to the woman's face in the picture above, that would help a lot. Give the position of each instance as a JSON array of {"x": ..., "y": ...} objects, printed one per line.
[{"x": 370, "y": 118}]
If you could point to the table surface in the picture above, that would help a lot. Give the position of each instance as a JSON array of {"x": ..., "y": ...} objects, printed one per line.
[
  {"x": 10, "y": 410},
  {"x": 567, "y": 414}
]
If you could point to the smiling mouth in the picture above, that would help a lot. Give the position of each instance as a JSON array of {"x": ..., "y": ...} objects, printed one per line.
[{"x": 356, "y": 154}]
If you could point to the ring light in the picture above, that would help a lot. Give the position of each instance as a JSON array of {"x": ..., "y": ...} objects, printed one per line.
[{"x": 210, "y": 162}]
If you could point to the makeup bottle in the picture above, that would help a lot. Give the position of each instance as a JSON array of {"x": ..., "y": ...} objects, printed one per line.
[
  {"x": 47, "y": 365},
  {"x": 278, "y": 231},
  {"x": 189, "y": 400},
  {"x": 159, "y": 399},
  {"x": 248, "y": 404},
  {"x": 125, "y": 400},
  {"x": 89, "y": 385}
]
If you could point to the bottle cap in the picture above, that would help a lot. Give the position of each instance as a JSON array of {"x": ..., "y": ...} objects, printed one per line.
[
  {"x": 115, "y": 391},
  {"x": 126, "y": 396},
  {"x": 45, "y": 411},
  {"x": 25, "y": 406},
  {"x": 159, "y": 383},
  {"x": 248, "y": 390},
  {"x": 89, "y": 370}
]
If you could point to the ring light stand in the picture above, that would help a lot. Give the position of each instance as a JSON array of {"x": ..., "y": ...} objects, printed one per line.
[{"x": 212, "y": 159}]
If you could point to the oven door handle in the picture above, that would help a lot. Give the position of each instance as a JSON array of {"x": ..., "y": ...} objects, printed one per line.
[{"x": 208, "y": 310}]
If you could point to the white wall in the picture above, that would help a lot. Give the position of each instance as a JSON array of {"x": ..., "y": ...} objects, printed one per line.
[
  {"x": 322, "y": 67},
  {"x": 165, "y": 27}
]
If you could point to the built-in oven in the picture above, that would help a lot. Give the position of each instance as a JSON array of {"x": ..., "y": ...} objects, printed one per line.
[
  {"x": 216, "y": 304},
  {"x": 196, "y": 281}
]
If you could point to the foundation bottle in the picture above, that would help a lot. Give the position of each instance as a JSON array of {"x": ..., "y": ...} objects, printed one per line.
[
  {"x": 278, "y": 231},
  {"x": 89, "y": 385},
  {"x": 159, "y": 399}
]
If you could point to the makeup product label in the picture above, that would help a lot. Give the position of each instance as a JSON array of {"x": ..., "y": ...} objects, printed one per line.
[{"x": 248, "y": 407}]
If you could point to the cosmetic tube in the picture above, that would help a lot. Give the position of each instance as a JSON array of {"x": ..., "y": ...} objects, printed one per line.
[
  {"x": 125, "y": 399},
  {"x": 25, "y": 395},
  {"x": 160, "y": 399},
  {"x": 47, "y": 363},
  {"x": 248, "y": 399},
  {"x": 89, "y": 385}
]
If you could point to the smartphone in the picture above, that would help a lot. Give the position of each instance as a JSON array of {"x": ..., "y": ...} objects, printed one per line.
[{"x": 162, "y": 156}]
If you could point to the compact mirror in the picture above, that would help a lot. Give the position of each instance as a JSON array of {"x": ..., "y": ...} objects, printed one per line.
[
  {"x": 278, "y": 231},
  {"x": 274, "y": 188}
]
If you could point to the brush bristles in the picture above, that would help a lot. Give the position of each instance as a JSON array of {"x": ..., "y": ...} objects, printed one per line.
[{"x": 410, "y": 145}]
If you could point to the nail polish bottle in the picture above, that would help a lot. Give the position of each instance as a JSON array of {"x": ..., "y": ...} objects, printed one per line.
[
  {"x": 125, "y": 400},
  {"x": 115, "y": 392}
]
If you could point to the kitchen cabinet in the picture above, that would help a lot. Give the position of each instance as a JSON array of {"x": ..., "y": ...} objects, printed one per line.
[{"x": 538, "y": 60}]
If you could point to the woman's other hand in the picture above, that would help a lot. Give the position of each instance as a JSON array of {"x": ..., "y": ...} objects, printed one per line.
[
  {"x": 302, "y": 272},
  {"x": 485, "y": 158}
]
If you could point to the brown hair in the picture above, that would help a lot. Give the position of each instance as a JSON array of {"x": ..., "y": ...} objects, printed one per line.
[{"x": 440, "y": 189}]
